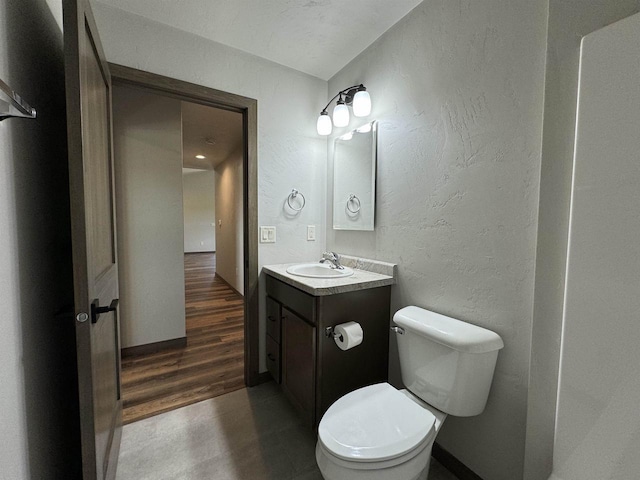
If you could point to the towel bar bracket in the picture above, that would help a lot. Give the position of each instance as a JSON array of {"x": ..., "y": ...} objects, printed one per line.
[{"x": 14, "y": 106}]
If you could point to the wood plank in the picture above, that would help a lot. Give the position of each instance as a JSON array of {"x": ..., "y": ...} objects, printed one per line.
[
  {"x": 153, "y": 347},
  {"x": 211, "y": 363},
  {"x": 185, "y": 397}
]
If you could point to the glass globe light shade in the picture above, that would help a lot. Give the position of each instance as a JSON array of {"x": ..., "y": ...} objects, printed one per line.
[
  {"x": 341, "y": 115},
  {"x": 361, "y": 104},
  {"x": 324, "y": 125}
]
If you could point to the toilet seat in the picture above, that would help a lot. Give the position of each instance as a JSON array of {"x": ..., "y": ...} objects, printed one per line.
[{"x": 376, "y": 424}]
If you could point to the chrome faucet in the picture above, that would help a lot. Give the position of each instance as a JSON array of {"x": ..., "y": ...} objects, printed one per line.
[{"x": 333, "y": 258}]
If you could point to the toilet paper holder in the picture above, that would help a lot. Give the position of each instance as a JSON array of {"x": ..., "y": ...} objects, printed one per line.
[{"x": 328, "y": 332}]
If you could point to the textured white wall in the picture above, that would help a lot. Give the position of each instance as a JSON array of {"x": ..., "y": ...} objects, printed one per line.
[
  {"x": 569, "y": 21},
  {"x": 457, "y": 90},
  {"x": 290, "y": 153},
  {"x": 12, "y": 402},
  {"x": 229, "y": 233},
  {"x": 147, "y": 139},
  {"x": 598, "y": 426},
  {"x": 198, "y": 191},
  {"x": 283, "y": 31},
  {"x": 38, "y": 389},
  {"x": 13, "y": 434}
]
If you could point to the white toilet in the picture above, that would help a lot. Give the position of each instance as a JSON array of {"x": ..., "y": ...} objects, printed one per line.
[{"x": 381, "y": 433}]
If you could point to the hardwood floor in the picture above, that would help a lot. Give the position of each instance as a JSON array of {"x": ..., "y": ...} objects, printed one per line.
[{"x": 211, "y": 364}]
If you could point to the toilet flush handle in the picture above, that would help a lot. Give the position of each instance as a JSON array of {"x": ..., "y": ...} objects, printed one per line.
[{"x": 398, "y": 330}]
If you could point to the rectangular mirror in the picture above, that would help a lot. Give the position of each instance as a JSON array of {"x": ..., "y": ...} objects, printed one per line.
[{"x": 354, "y": 179}]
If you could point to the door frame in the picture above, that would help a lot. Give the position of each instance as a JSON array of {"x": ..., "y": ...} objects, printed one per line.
[{"x": 248, "y": 107}]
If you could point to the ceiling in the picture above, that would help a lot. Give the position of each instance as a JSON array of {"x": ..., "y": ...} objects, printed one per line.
[
  {"x": 318, "y": 37},
  {"x": 209, "y": 131}
]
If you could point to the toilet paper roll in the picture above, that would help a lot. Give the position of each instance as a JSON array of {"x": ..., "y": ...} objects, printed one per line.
[{"x": 348, "y": 335}]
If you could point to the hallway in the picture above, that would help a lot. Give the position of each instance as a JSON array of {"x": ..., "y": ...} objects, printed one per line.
[{"x": 211, "y": 364}]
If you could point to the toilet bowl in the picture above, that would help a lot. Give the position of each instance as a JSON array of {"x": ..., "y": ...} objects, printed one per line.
[
  {"x": 377, "y": 433},
  {"x": 381, "y": 433}
]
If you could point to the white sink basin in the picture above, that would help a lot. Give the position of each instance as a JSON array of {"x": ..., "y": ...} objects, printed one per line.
[{"x": 319, "y": 270}]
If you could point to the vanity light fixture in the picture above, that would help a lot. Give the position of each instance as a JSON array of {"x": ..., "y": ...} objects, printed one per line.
[{"x": 356, "y": 96}]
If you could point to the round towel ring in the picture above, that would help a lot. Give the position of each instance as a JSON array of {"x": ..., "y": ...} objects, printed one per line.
[
  {"x": 294, "y": 193},
  {"x": 353, "y": 199}
]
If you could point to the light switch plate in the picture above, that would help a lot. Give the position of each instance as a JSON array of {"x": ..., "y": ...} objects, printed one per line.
[
  {"x": 311, "y": 233},
  {"x": 267, "y": 234}
]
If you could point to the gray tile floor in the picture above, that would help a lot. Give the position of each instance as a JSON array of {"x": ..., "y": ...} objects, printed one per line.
[{"x": 248, "y": 434}]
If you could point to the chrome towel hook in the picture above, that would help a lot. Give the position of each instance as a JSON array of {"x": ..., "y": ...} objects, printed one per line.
[{"x": 292, "y": 196}]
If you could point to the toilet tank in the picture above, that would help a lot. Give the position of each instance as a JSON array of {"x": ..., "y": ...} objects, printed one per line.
[{"x": 446, "y": 362}]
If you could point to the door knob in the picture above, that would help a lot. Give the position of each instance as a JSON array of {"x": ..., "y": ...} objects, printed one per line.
[{"x": 96, "y": 309}]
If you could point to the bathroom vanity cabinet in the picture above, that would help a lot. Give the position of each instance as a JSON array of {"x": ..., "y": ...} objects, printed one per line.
[{"x": 312, "y": 370}]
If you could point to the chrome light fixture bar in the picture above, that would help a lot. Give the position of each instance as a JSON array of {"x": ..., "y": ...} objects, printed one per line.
[{"x": 355, "y": 96}]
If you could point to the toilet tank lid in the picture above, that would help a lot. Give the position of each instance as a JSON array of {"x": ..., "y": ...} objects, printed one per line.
[{"x": 456, "y": 334}]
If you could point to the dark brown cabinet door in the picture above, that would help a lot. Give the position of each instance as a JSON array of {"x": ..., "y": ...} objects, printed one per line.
[{"x": 298, "y": 363}]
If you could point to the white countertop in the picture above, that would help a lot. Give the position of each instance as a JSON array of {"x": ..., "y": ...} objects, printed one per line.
[{"x": 360, "y": 280}]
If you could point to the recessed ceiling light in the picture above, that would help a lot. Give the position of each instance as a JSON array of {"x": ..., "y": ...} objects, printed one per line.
[{"x": 200, "y": 157}]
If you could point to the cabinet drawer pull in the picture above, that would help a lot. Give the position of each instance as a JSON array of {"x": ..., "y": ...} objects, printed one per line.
[
  {"x": 271, "y": 357},
  {"x": 272, "y": 319}
]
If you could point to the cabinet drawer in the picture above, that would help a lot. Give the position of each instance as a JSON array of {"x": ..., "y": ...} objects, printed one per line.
[
  {"x": 300, "y": 302},
  {"x": 274, "y": 315},
  {"x": 273, "y": 358}
]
